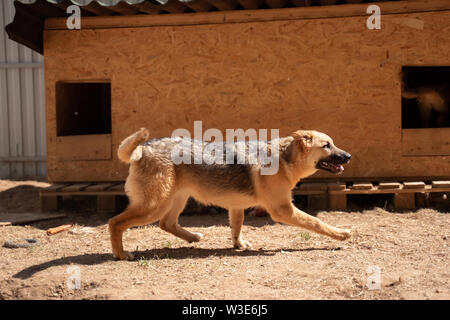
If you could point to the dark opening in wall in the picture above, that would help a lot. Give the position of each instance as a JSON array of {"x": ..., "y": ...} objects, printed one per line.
[
  {"x": 83, "y": 108},
  {"x": 425, "y": 97}
]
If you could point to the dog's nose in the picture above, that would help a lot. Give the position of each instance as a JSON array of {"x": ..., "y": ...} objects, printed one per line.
[{"x": 347, "y": 156}]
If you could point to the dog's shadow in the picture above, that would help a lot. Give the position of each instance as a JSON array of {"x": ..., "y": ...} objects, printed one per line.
[{"x": 156, "y": 254}]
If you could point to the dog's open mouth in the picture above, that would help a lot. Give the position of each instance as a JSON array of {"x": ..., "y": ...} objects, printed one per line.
[{"x": 335, "y": 168}]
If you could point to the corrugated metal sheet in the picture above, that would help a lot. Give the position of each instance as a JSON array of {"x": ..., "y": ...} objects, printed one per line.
[{"x": 22, "y": 103}]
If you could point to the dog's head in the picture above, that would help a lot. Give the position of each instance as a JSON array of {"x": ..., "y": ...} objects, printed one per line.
[{"x": 319, "y": 152}]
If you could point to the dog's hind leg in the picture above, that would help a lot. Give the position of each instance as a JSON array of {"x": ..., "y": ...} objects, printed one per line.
[
  {"x": 236, "y": 220},
  {"x": 169, "y": 222},
  {"x": 132, "y": 217},
  {"x": 289, "y": 214}
]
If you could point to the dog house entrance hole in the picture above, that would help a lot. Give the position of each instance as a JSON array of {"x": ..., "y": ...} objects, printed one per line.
[
  {"x": 425, "y": 97},
  {"x": 425, "y": 111},
  {"x": 83, "y": 108}
]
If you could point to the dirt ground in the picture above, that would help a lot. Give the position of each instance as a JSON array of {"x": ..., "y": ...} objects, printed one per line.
[{"x": 410, "y": 250}]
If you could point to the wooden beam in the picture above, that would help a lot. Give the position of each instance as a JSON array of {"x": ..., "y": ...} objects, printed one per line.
[
  {"x": 95, "y": 8},
  {"x": 149, "y": 7},
  {"x": 354, "y": 1},
  {"x": 106, "y": 203},
  {"x": 318, "y": 202},
  {"x": 362, "y": 186},
  {"x": 251, "y": 4},
  {"x": 224, "y": 4},
  {"x": 337, "y": 201},
  {"x": 336, "y": 186},
  {"x": 404, "y": 201},
  {"x": 173, "y": 6},
  {"x": 124, "y": 8},
  {"x": 414, "y": 185},
  {"x": 218, "y": 17},
  {"x": 64, "y": 4},
  {"x": 389, "y": 185},
  {"x": 375, "y": 190},
  {"x": 198, "y": 5},
  {"x": 301, "y": 3},
  {"x": 7, "y": 219},
  {"x": 440, "y": 184},
  {"x": 327, "y": 2},
  {"x": 276, "y": 3},
  {"x": 99, "y": 187},
  {"x": 75, "y": 187}
]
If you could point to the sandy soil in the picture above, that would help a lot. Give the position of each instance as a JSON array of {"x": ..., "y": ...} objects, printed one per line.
[{"x": 411, "y": 251}]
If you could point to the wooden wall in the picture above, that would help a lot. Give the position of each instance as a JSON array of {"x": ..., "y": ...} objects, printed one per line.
[{"x": 332, "y": 75}]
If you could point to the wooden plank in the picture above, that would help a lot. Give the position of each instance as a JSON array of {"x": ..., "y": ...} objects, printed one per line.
[
  {"x": 106, "y": 203},
  {"x": 427, "y": 188},
  {"x": 54, "y": 187},
  {"x": 318, "y": 202},
  {"x": 327, "y": 2},
  {"x": 75, "y": 187},
  {"x": 198, "y": 5},
  {"x": 336, "y": 186},
  {"x": 49, "y": 203},
  {"x": 337, "y": 201},
  {"x": 251, "y": 4},
  {"x": 99, "y": 187},
  {"x": 310, "y": 188},
  {"x": 118, "y": 187},
  {"x": 22, "y": 218},
  {"x": 426, "y": 142},
  {"x": 440, "y": 184},
  {"x": 313, "y": 186},
  {"x": 312, "y": 12},
  {"x": 173, "y": 6},
  {"x": 224, "y": 4},
  {"x": 95, "y": 8},
  {"x": 362, "y": 186},
  {"x": 148, "y": 7},
  {"x": 414, "y": 185},
  {"x": 404, "y": 201},
  {"x": 301, "y": 3},
  {"x": 90, "y": 147},
  {"x": 389, "y": 185},
  {"x": 276, "y": 3},
  {"x": 124, "y": 8}
]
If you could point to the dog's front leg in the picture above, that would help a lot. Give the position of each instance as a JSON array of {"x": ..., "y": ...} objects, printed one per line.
[
  {"x": 289, "y": 214},
  {"x": 236, "y": 220}
]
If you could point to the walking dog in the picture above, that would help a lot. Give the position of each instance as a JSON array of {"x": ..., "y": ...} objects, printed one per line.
[{"x": 158, "y": 188}]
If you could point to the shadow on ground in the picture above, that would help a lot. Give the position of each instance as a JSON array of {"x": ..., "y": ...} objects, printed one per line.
[{"x": 158, "y": 254}]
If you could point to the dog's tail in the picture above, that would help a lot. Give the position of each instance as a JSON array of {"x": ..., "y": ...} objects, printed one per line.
[{"x": 128, "y": 150}]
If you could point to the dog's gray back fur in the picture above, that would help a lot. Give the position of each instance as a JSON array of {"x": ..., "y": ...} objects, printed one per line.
[{"x": 213, "y": 170}]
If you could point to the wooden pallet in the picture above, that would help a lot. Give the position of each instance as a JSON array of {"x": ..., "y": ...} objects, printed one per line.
[
  {"x": 321, "y": 196},
  {"x": 105, "y": 192},
  {"x": 334, "y": 195}
]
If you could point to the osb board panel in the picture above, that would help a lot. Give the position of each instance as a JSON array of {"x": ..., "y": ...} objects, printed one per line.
[
  {"x": 426, "y": 142},
  {"x": 332, "y": 75},
  {"x": 85, "y": 147}
]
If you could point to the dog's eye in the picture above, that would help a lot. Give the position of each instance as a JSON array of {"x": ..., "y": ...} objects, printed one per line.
[{"x": 327, "y": 146}]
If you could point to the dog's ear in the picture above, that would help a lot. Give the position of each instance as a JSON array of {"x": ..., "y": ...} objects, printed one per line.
[{"x": 303, "y": 138}]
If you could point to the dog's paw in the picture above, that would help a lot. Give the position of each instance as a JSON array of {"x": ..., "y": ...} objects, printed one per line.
[
  {"x": 345, "y": 234},
  {"x": 125, "y": 255},
  {"x": 243, "y": 245},
  {"x": 196, "y": 237}
]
